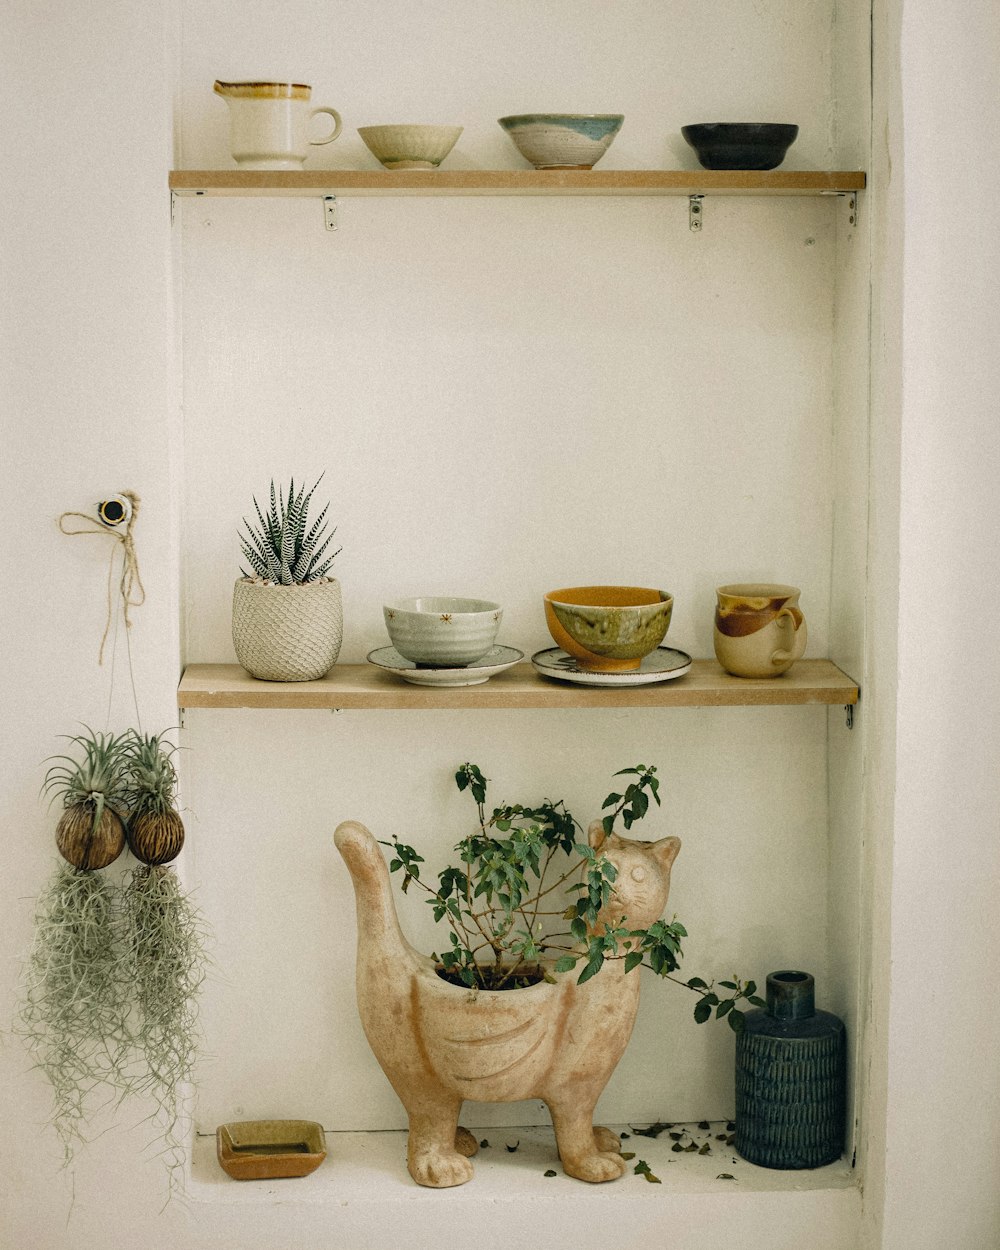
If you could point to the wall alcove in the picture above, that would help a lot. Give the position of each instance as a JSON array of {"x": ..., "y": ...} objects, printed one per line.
[{"x": 509, "y": 392}]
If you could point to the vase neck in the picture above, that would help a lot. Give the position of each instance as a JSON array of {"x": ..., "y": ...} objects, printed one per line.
[{"x": 791, "y": 995}]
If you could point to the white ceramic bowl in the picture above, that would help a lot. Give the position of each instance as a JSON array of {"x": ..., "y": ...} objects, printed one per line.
[
  {"x": 410, "y": 147},
  {"x": 442, "y": 631},
  {"x": 562, "y": 140}
]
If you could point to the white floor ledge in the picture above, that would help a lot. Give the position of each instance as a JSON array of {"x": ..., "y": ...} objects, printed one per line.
[{"x": 365, "y": 1200}]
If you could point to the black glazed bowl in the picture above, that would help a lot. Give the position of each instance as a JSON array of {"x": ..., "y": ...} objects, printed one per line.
[{"x": 740, "y": 145}]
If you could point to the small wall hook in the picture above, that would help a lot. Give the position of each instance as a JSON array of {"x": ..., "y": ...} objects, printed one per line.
[{"x": 115, "y": 511}]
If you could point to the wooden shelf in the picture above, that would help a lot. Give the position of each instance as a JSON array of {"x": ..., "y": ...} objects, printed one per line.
[
  {"x": 363, "y": 686},
  {"x": 349, "y": 182}
]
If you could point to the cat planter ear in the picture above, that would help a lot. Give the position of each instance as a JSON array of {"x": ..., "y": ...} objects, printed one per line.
[
  {"x": 596, "y": 835},
  {"x": 666, "y": 850}
]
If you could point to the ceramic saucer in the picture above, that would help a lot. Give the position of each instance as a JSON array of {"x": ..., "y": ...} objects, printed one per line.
[
  {"x": 663, "y": 664},
  {"x": 481, "y": 670}
]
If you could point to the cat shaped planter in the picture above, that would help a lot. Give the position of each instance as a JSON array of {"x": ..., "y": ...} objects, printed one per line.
[{"x": 440, "y": 1043}]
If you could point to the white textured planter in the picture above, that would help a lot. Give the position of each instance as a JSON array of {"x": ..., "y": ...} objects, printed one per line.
[{"x": 287, "y": 633}]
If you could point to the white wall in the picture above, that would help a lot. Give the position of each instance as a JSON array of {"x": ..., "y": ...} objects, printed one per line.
[
  {"x": 941, "y": 1046},
  {"x": 87, "y": 408}
]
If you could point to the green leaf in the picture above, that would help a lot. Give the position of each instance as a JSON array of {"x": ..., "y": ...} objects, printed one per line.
[
  {"x": 729, "y": 985},
  {"x": 702, "y": 1011},
  {"x": 632, "y": 960},
  {"x": 566, "y": 963},
  {"x": 736, "y": 1022},
  {"x": 594, "y": 965},
  {"x": 550, "y": 1172},
  {"x": 696, "y": 983}
]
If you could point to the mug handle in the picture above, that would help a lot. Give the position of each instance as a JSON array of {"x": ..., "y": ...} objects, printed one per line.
[
  {"x": 798, "y": 637},
  {"x": 338, "y": 126}
]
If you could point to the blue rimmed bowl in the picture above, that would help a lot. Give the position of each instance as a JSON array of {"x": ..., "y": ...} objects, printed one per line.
[{"x": 562, "y": 140}]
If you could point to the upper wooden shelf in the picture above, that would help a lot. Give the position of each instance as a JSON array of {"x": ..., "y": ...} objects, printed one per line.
[
  {"x": 363, "y": 686},
  {"x": 344, "y": 182}
]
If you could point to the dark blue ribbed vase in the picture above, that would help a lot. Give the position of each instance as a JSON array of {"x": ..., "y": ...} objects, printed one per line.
[{"x": 790, "y": 1079}]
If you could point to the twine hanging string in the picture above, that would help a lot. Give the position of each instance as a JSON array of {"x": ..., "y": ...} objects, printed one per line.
[{"x": 130, "y": 588}]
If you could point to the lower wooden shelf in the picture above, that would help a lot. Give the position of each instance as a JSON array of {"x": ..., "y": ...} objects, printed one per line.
[{"x": 363, "y": 686}]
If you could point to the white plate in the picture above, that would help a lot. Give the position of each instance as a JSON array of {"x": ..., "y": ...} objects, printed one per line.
[
  {"x": 663, "y": 664},
  {"x": 481, "y": 670}
]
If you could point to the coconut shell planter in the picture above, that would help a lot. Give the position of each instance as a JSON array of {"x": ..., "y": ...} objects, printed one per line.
[{"x": 108, "y": 1006}]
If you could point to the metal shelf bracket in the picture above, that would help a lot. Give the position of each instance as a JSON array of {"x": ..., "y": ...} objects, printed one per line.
[
  {"x": 694, "y": 212},
  {"x": 330, "y": 211}
]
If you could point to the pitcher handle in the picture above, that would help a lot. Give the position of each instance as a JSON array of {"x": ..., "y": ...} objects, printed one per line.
[
  {"x": 796, "y": 623},
  {"x": 338, "y": 126}
]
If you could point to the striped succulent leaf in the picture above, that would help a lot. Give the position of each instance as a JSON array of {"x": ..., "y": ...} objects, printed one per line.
[
  {"x": 291, "y": 533},
  {"x": 282, "y": 548},
  {"x": 304, "y": 555}
]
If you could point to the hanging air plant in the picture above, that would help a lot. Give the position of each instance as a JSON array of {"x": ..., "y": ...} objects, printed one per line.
[
  {"x": 91, "y": 831},
  {"x": 155, "y": 830},
  {"x": 108, "y": 1006}
]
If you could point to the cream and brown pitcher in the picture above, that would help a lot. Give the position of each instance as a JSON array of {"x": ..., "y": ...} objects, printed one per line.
[{"x": 759, "y": 629}]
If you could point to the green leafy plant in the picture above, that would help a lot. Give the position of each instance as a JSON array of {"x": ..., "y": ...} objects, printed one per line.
[
  {"x": 283, "y": 548},
  {"x": 516, "y": 872}
]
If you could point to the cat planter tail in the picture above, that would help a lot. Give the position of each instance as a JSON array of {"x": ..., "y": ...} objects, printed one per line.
[{"x": 440, "y": 1044}]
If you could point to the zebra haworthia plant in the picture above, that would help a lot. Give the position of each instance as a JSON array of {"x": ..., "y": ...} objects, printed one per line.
[{"x": 284, "y": 549}]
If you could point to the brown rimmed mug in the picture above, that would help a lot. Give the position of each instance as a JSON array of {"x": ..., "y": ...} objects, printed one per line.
[{"x": 759, "y": 628}]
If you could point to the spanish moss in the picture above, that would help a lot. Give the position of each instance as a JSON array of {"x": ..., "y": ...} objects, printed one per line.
[
  {"x": 163, "y": 954},
  {"x": 74, "y": 1015}
]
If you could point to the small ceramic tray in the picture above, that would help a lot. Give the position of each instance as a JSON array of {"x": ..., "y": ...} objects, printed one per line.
[
  {"x": 257, "y": 1150},
  {"x": 663, "y": 664},
  {"x": 474, "y": 674}
]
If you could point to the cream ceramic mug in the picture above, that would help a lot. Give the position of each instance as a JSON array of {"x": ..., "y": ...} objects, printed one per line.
[
  {"x": 759, "y": 629},
  {"x": 269, "y": 123}
]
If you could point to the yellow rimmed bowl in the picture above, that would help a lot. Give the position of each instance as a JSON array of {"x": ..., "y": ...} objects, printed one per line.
[{"x": 608, "y": 629}]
